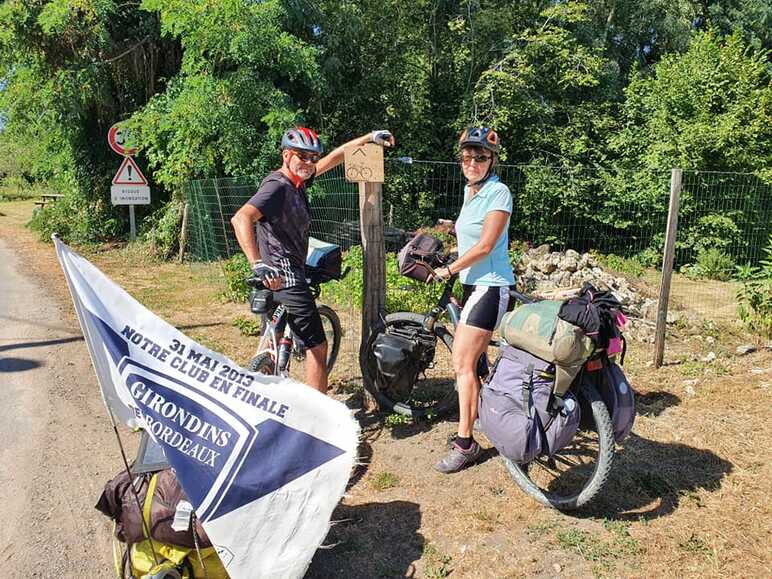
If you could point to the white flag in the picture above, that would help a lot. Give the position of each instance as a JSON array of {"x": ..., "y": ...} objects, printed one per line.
[{"x": 263, "y": 460}]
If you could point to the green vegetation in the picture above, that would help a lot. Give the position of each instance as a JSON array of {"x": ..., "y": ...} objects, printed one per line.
[
  {"x": 437, "y": 564},
  {"x": 599, "y": 100},
  {"x": 248, "y": 326},
  {"x": 755, "y": 295},
  {"x": 384, "y": 480},
  {"x": 604, "y": 554},
  {"x": 711, "y": 263}
]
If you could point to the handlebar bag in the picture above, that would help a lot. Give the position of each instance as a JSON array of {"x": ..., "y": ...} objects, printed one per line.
[
  {"x": 520, "y": 414},
  {"x": 419, "y": 256},
  {"x": 324, "y": 260}
]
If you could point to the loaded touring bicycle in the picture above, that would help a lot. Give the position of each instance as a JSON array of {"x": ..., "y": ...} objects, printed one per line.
[{"x": 554, "y": 403}]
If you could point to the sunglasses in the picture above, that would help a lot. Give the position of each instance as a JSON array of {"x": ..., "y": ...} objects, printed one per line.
[
  {"x": 466, "y": 159},
  {"x": 307, "y": 157}
]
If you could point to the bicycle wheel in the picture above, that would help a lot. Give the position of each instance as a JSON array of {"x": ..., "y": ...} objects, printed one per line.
[
  {"x": 574, "y": 475},
  {"x": 333, "y": 332},
  {"x": 263, "y": 364},
  {"x": 431, "y": 392}
]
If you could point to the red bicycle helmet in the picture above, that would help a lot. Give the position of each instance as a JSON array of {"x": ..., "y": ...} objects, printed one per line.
[
  {"x": 302, "y": 139},
  {"x": 480, "y": 137}
]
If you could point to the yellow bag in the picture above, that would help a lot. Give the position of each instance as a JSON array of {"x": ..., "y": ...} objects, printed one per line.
[{"x": 142, "y": 556}]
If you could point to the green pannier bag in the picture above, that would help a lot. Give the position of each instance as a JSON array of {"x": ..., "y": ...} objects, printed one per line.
[{"x": 537, "y": 329}]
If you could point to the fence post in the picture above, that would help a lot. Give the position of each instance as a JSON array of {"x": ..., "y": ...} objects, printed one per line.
[
  {"x": 374, "y": 270},
  {"x": 183, "y": 231},
  {"x": 667, "y": 266},
  {"x": 222, "y": 219}
]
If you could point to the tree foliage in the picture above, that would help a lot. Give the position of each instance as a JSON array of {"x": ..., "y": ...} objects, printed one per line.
[{"x": 612, "y": 93}]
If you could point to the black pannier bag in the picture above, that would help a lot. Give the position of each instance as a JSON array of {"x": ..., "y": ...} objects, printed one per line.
[
  {"x": 419, "y": 256},
  {"x": 324, "y": 261},
  {"x": 400, "y": 354}
]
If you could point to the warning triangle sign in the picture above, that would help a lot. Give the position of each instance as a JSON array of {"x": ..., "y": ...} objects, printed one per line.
[{"x": 129, "y": 174}]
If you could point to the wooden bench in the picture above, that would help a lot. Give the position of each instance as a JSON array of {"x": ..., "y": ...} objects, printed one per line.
[{"x": 46, "y": 198}]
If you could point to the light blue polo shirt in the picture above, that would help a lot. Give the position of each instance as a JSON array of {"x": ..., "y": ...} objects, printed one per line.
[{"x": 494, "y": 269}]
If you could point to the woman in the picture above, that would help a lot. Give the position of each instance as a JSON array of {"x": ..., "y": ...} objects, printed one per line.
[{"x": 486, "y": 275}]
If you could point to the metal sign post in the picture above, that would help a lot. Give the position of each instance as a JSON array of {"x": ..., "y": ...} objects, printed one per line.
[{"x": 364, "y": 165}]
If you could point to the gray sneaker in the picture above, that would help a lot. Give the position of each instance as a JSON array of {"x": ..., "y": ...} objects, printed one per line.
[{"x": 458, "y": 459}]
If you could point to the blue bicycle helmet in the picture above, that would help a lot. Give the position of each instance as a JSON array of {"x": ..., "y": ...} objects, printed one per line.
[
  {"x": 484, "y": 137},
  {"x": 302, "y": 139}
]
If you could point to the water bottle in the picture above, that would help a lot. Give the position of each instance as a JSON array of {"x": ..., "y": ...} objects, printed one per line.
[{"x": 285, "y": 347}]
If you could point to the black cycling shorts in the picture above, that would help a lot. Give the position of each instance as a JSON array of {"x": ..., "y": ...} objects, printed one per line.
[
  {"x": 302, "y": 315},
  {"x": 483, "y": 306}
]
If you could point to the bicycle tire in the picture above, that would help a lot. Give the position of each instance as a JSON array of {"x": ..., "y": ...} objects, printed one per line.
[
  {"x": 537, "y": 482},
  {"x": 416, "y": 408},
  {"x": 333, "y": 347},
  {"x": 263, "y": 363}
]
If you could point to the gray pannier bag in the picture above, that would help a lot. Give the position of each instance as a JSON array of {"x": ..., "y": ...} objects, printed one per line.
[
  {"x": 619, "y": 398},
  {"x": 519, "y": 412}
]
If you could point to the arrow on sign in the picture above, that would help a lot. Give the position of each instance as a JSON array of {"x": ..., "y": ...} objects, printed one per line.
[
  {"x": 359, "y": 151},
  {"x": 129, "y": 174}
]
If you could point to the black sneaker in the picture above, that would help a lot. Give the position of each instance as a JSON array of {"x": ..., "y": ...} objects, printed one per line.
[{"x": 458, "y": 458}]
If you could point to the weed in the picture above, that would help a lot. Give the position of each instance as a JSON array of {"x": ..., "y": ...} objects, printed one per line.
[
  {"x": 394, "y": 420},
  {"x": 248, "y": 326},
  {"x": 541, "y": 528},
  {"x": 695, "y": 545},
  {"x": 593, "y": 549},
  {"x": 384, "y": 480},
  {"x": 437, "y": 563},
  {"x": 711, "y": 264}
]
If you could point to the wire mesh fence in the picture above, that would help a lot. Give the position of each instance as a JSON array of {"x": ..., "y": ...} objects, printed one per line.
[{"x": 724, "y": 219}]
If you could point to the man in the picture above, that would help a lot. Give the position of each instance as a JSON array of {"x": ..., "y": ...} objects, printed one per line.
[{"x": 280, "y": 210}]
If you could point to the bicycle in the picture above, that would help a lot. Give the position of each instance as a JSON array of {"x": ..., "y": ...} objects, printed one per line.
[
  {"x": 567, "y": 480},
  {"x": 278, "y": 345}
]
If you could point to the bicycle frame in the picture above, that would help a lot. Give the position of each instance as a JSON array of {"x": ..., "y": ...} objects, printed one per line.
[{"x": 276, "y": 328}]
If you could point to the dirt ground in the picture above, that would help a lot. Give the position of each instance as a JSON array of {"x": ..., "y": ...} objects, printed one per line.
[{"x": 688, "y": 495}]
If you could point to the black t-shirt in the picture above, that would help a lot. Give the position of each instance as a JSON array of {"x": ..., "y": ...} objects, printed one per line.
[{"x": 282, "y": 232}]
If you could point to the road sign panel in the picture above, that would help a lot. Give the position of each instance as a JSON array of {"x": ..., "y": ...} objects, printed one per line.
[
  {"x": 117, "y": 137},
  {"x": 129, "y": 174},
  {"x": 130, "y": 194},
  {"x": 364, "y": 163}
]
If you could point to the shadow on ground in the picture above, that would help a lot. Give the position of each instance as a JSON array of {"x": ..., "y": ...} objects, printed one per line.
[
  {"x": 653, "y": 404},
  {"x": 649, "y": 479},
  {"x": 18, "y": 364},
  {"x": 371, "y": 540}
]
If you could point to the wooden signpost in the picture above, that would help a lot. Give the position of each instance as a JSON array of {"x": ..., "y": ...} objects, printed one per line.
[{"x": 364, "y": 165}]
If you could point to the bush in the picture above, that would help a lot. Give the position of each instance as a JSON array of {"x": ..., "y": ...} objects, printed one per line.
[
  {"x": 630, "y": 267},
  {"x": 237, "y": 271},
  {"x": 711, "y": 264},
  {"x": 754, "y": 297},
  {"x": 162, "y": 229},
  {"x": 402, "y": 294},
  {"x": 76, "y": 221}
]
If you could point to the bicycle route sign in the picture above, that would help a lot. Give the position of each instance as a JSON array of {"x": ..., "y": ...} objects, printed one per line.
[{"x": 364, "y": 163}]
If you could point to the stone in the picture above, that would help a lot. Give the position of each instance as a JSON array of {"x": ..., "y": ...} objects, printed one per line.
[
  {"x": 746, "y": 349},
  {"x": 540, "y": 251},
  {"x": 573, "y": 254},
  {"x": 673, "y": 317},
  {"x": 709, "y": 358},
  {"x": 557, "y": 568},
  {"x": 710, "y": 340}
]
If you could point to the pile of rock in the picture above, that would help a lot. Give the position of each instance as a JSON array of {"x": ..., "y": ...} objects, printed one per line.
[{"x": 541, "y": 270}]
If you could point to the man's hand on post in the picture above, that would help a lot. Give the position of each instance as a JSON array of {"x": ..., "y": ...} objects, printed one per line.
[{"x": 383, "y": 138}]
